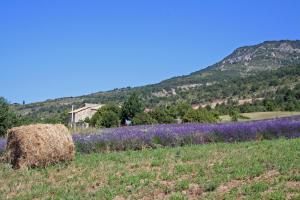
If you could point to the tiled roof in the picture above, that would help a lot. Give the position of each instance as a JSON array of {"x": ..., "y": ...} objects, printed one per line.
[{"x": 91, "y": 106}]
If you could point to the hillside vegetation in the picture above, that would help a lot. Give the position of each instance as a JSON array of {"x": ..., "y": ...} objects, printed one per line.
[
  {"x": 249, "y": 72},
  {"x": 251, "y": 170}
]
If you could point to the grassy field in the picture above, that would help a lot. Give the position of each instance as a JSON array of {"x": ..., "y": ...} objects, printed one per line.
[
  {"x": 250, "y": 170},
  {"x": 261, "y": 115}
]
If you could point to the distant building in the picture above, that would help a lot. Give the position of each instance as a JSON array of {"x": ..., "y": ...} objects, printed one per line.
[
  {"x": 79, "y": 115},
  {"x": 147, "y": 110}
]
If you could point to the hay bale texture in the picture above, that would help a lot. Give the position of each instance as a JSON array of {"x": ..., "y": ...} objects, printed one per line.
[{"x": 39, "y": 145}]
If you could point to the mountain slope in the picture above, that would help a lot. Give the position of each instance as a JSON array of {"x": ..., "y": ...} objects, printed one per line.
[
  {"x": 234, "y": 76},
  {"x": 244, "y": 61}
]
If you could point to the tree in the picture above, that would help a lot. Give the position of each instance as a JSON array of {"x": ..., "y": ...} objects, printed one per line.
[
  {"x": 182, "y": 108},
  {"x": 208, "y": 107},
  {"x": 161, "y": 116},
  {"x": 269, "y": 104},
  {"x": 142, "y": 119},
  {"x": 108, "y": 119},
  {"x": 171, "y": 110},
  {"x": 132, "y": 106},
  {"x": 8, "y": 119},
  {"x": 234, "y": 114},
  {"x": 107, "y": 116},
  {"x": 200, "y": 116}
]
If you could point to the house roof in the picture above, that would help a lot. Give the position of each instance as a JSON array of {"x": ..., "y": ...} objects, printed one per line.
[{"x": 87, "y": 106}]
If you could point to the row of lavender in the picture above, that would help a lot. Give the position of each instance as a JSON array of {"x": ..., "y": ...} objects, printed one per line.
[{"x": 138, "y": 137}]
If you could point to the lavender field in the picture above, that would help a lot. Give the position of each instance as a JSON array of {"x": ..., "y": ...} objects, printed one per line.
[
  {"x": 153, "y": 136},
  {"x": 139, "y": 137}
]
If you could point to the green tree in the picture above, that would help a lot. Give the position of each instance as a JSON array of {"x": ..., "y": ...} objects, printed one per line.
[
  {"x": 112, "y": 107},
  {"x": 107, "y": 116},
  {"x": 161, "y": 116},
  {"x": 108, "y": 119},
  {"x": 8, "y": 119},
  {"x": 269, "y": 104},
  {"x": 132, "y": 106},
  {"x": 142, "y": 119},
  {"x": 200, "y": 116},
  {"x": 182, "y": 108},
  {"x": 234, "y": 115},
  {"x": 208, "y": 107},
  {"x": 171, "y": 111}
]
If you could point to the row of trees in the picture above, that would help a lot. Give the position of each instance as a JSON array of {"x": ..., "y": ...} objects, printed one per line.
[
  {"x": 132, "y": 112},
  {"x": 112, "y": 115},
  {"x": 284, "y": 99}
]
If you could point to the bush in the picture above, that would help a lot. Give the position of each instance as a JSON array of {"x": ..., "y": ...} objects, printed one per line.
[
  {"x": 108, "y": 119},
  {"x": 269, "y": 104},
  {"x": 182, "y": 108},
  {"x": 200, "y": 116},
  {"x": 108, "y": 116},
  {"x": 161, "y": 116},
  {"x": 234, "y": 114},
  {"x": 143, "y": 118},
  {"x": 171, "y": 111}
]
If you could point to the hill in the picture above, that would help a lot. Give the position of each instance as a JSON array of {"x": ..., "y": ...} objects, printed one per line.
[{"x": 249, "y": 72}]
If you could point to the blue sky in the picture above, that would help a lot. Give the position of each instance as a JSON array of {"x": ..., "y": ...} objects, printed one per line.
[{"x": 59, "y": 48}]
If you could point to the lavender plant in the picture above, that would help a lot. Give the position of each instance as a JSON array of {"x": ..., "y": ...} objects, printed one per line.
[
  {"x": 152, "y": 136},
  {"x": 2, "y": 145}
]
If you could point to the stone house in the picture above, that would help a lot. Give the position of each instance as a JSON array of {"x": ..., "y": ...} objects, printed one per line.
[{"x": 79, "y": 115}]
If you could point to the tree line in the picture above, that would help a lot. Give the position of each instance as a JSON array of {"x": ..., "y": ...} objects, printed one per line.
[{"x": 132, "y": 112}]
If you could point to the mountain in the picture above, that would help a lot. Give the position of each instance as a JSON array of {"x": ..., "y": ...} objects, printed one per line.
[
  {"x": 250, "y": 71},
  {"x": 261, "y": 57}
]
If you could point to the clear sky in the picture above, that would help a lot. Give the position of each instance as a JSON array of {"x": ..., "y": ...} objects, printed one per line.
[{"x": 59, "y": 48}]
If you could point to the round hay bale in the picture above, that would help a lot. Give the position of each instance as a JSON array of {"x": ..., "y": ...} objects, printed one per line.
[{"x": 39, "y": 145}]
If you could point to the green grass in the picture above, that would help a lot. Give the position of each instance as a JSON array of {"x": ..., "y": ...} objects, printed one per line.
[
  {"x": 261, "y": 115},
  {"x": 251, "y": 170}
]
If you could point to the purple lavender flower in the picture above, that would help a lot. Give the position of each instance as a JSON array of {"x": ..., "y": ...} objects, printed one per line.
[
  {"x": 138, "y": 137},
  {"x": 2, "y": 144},
  {"x": 151, "y": 136}
]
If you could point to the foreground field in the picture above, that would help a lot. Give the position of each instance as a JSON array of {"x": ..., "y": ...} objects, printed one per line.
[
  {"x": 261, "y": 115},
  {"x": 250, "y": 170}
]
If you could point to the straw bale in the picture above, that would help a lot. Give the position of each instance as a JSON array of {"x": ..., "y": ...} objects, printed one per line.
[{"x": 39, "y": 145}]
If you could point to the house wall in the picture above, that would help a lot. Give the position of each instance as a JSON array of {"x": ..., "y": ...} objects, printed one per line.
[{"x": 82, "y": 115}]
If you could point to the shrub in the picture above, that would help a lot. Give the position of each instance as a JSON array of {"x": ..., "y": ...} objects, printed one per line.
[
  {"x": 234, "y": 114},
  {"x": 182, "y": 108},
  {"x": 143, "y": 118},
  {"x": 171, "y": 111},
  {"x": 108, "y": 119},
  {"x": 161, "y": 116},
  {"x": 200, "y": 116},
  {"x": 108, "y": 116}
]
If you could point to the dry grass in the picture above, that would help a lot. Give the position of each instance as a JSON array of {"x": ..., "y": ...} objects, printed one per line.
[{"x": 262, "y": 115}]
